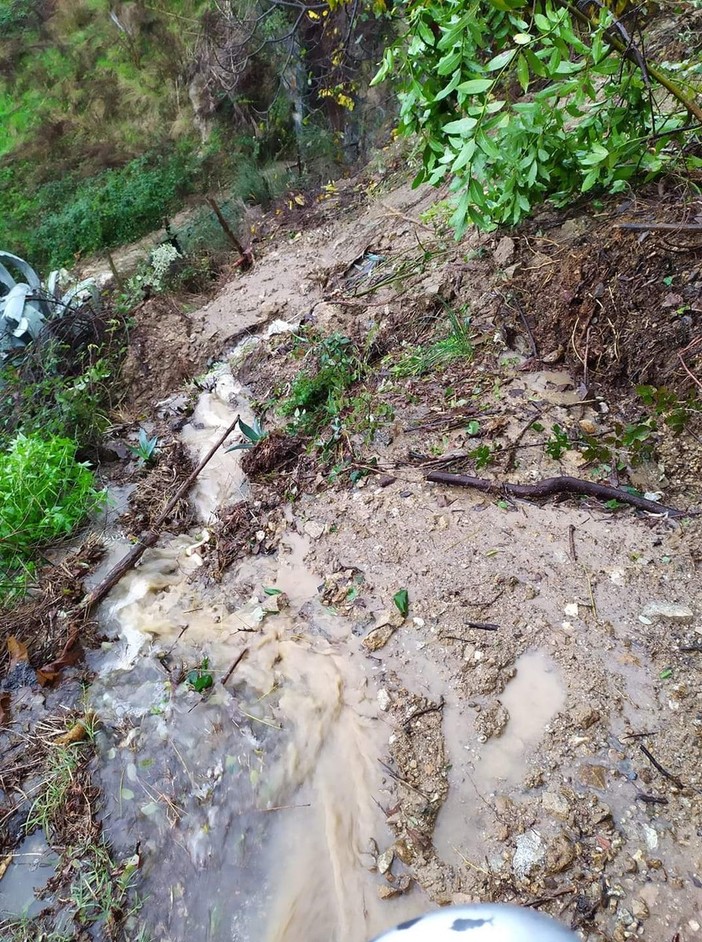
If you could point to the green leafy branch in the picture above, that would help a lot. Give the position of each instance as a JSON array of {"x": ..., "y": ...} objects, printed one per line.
[{"x": 517, "y": 103}]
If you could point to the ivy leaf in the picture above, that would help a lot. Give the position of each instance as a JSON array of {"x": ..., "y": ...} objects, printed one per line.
[{"x": 401, "y": 600}]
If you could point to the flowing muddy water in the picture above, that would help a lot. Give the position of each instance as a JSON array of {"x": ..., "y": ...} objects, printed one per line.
[{"x": 253, "y": 806}]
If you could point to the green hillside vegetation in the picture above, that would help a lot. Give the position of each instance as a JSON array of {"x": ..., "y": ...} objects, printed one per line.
[{"x": 97, "y": 135}]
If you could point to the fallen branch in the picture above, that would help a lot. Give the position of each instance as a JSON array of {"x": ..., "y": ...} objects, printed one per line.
[
  {"x": 549, "y": 487},
  {"x": 149, "y": 538},
  {"x": 246, "y": 259},
  {"x": 660, "y": 226}
]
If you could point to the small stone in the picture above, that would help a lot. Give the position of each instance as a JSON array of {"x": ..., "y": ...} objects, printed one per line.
[
  {"x": 571, "y": 610},
  {"x": 313, "y": 529},
  {"x": 401, "y": 885},
  {"x": 668, "y": 611},
  {"x": 377, "y": 638},
  {"x": 556, "y": 804},
  {"x": 639, "y": 909},
  {"x": 593, "y": 775},
  {"x": 529, "y": 852},
  {"x": 650, "y": 836},
  {"x": 403, "y": 851},
  {"x": 384, "y": 700},
  {"x": 584, "y": 716},
  {"x": 504, "y": 252},
  {"x": 385, "y": 860},
  {"x": 560, "y": 854},
  {"x": 694, "y": 925},
  {"x": 385, "y": 891}
]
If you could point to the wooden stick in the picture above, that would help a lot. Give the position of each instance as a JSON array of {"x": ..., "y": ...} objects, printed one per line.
[
  {"x": 551, "y": 486},
  {"x": 663, "y": 226},
  {"x": 149, "y": 538},
  {"x": 246, "y": 257}
]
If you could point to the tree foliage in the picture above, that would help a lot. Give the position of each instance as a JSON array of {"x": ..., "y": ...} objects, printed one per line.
[{"x": 517, "y": 102}]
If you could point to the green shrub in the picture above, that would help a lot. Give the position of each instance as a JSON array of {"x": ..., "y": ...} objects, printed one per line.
[
  {"x": 113, "y": 208},
  {"x": 18, "y": 15},
  {"x": 56, "y": 405},
  {"x": 44, "y": 494}
]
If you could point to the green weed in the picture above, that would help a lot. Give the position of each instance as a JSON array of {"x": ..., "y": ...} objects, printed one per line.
[
  {"x": 316, "y": 396},
  {"x": 49, "y": 803},
  {"x": 146, "y": 448},
  {"x": 457, "y": 345},
  {"x": 44, "y": 494}
]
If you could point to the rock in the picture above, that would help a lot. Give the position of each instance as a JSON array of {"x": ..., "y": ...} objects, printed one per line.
[
  {"x": 504, "y": 252},
  {"x": 384, "y": 700},
  {"x": 403, "y": 851},
  {"x": 650, "y": 836},
  {"x": 560, "y": 854},
  {"x": 584, "y": 716},
  {"x": 384, "y": 628},
  {"x": 556, "y": 805},
  {"x": 378, "y": 637},
  {"x": 639, "y": 909},
  {"x": 401, "y": 885},
  {"x": 313, "y": 529},
  {"x": 385, "y": 860},
  {"x": 385, "y": 891},
  {"x": 529, "y": 852},
  {"x": 668, "y": 611}
]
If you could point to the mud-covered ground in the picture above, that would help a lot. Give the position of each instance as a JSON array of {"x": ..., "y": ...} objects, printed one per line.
[{"x": 529, "y": 729}]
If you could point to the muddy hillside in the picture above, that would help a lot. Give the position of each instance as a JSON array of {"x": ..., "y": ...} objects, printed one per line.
[{"x": 411, "y": 610}]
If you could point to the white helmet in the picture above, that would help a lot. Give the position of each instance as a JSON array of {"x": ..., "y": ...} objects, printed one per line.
[{"x": 479, "y": 922}]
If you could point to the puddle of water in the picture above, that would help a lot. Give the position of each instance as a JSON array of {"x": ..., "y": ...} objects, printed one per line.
[
  {"x": 547, "y": 382},
  {"x": 33, "y": 864},
  {"x": 532, "y": 698}
]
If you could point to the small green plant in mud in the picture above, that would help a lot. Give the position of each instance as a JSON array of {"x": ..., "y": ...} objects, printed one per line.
[
  {"x": 53, "y": 404},
  {"x": 483, "y": 456},
  {"x": 457, "y": 345},
  {"x": 401, "y": 602},
  {"x": 145, "y": 449},
  {"x": 100, "y": 888},
  {"x": 253, "y": 434},
  {"x": 56, "y": 788},
  {"x": 45, "y": 493},
  {"x": 316, "y": 396},
  {"x": 200, "y": 678},
  {"x": 558, "y": 443}
]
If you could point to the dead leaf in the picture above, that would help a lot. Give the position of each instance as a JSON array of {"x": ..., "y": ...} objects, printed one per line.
[
  {"x": 4, "y": 708},
  {"x": 77, "y": 733},
  {"x": 4, "y": 864},
  {"x": 71, "y": 654},
  {"x": 17, "y": 651}
]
